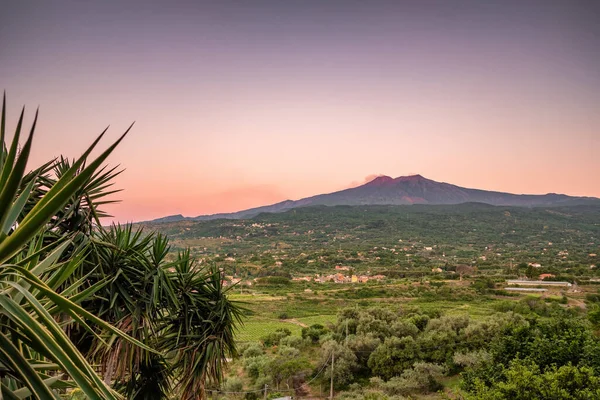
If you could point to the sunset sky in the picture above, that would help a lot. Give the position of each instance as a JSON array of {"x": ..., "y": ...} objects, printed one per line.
[{"x": 247, "y": 103}]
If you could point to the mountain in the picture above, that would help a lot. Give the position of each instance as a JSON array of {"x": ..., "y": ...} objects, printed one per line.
[{"x": 403, "y": 190}]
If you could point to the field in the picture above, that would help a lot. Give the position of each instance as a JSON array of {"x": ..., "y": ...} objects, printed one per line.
[
  {"x": 297, "y": 273},
  {"x": 267, "y": 311}
]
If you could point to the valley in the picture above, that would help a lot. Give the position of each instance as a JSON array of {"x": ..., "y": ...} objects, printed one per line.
[{"x": 302, "y": 272}]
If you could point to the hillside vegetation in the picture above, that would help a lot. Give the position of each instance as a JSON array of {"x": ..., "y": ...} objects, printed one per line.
[{"x": 431, "y": 317}]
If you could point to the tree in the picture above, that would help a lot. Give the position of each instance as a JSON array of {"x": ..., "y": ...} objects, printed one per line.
[
  {"x": 72, "y": 291},
  {"x": 524, "y": 380},
  {"x": 233, "y": 384},
  {"x": 345, "y": 365},
  {"x": 32, "y": 344},
  {"x": 421, "y": 378},
  {"x": 288, "y": 366},
  {"x": 314, "y": 332},
  {"x": 393, "y": 356},
  {"x": 363, "y": 346}
]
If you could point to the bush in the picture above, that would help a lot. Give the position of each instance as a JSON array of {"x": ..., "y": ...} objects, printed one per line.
[
  {"x": 293, "y": 341},
  {"x": 404, "y": 328},
  {"x": 393, "y": 356},
  {"x": 484, "y": 285},
  {"x": 274, "y": 338},
  {"x": 314, "y": 332},
  {"x": 594, "y": 315},
  {"x": 420, "y": 321},
  {"x": 525, "y": 380},
  {"x": 421, "y": 378},
  {"x": 472, "y": 359},
  {"x": 592, "y": 297},
  {"x": 256, "y": 366},
  {"x": 233, "y": 384},
  {"x": 253, "y": 350}
]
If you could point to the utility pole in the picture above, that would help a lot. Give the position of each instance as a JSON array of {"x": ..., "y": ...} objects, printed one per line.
[
  {"x": 266, "y": 387},
  {"x": 332, "y": 365}
]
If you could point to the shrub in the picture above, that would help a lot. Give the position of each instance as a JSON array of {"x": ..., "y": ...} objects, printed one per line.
[
  {"x": 314, "y": 332},
  {"x": 274, "y": 338},
  {"x": 420, "y": 321},
  {"x": 293, "y": 341},
  {"x": 393, "y": 356},
  {"x": 233, "y": 384},
  {"x": 404, "y": 328},
  {"x": 256, "y": 366},
  {"x": 421, "y": 378},
  {"x": 253, "y": 350},
  {"x": 472, "y": 359}
]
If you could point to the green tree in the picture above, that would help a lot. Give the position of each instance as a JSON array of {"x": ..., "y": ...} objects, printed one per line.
[
  {"x": 524, "y": 380},
  {"x": 33, "y": 346},
  {"x": 345, "y": 365},
  {"x": 287, "y": 365},
  {"x": 155, "y": 325},
  {"x": 393, "y": 356}
]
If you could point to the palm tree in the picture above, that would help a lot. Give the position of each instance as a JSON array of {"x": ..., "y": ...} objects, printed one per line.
[
  {"x": 171, "y": 305},
  {"x": 36, "y": 356},
  {"x": 73, "y": 292},
  {"x": 201, "y": 327}
]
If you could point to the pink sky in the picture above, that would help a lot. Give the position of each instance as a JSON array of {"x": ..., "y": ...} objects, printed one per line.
[{"x": 237, "y": 108}]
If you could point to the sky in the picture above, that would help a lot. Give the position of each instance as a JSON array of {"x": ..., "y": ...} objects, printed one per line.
[{"x": 247, "y": 103}]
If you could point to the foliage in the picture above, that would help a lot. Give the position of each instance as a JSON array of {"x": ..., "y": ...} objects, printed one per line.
[
  {"x": 36, "y": 356},
  {"x": 73, "y": 292},
  {"x": 529, "y": 357},
  {"x": 233, "y": 384},
  {"x": 524, "y": 380},
  {"x": 421, "y": 378},
  {"x": 314, "y": 332},
  {"x": 344, "y": 364},
  {"x": 274, "y": 338},
  {"x": 393, "y": 356}
]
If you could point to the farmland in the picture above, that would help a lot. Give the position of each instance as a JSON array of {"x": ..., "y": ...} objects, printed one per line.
[{"x": 430, "y": 280}]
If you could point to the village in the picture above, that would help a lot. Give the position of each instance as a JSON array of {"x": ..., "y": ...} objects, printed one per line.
[{"x": 339, "y": 277}]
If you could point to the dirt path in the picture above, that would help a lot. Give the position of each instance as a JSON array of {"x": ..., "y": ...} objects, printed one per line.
[{"x": 295, "y": 322}]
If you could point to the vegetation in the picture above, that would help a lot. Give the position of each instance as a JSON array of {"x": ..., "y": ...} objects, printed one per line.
[
  {"x": 97, "y": 312},
  {"x": 401, "y": 350},
  {"x": 439, "y": 318},
  {"x": 401, "y": 241},
  {"x": 74, "y": 295}
]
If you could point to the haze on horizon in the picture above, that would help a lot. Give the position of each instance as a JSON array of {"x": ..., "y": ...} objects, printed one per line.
[{"x": 243, "y": 104}]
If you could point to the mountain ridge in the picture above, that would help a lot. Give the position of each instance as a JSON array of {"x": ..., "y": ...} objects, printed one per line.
[{"x": 403, "y": 190}]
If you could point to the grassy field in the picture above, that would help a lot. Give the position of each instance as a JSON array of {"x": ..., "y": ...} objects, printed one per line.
[
  {"x": 255, "y": 328},
  {"x": 267, "y": 312},
  {"x": 318, "y": 319}
]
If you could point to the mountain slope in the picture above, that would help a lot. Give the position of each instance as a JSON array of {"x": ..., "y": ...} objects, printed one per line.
[{"x": 405, "y": 190}]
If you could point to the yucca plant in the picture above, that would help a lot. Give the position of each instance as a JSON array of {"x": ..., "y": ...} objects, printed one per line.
[
  {"x": 135, "y": 299},
  {"x": 36, "y": 356},
  {"x": 72, "y": 292},
  {"x": 201, "y": 328},
  {"x": 170, "y": 304}
]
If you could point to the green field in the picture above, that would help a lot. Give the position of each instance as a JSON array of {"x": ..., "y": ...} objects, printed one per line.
[
  {"x": 300, "y": 309},
  {"x": 256, "y": 328}
]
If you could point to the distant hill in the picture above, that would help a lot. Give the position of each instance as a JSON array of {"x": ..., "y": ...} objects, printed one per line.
[{"x": 404, "y": 190}]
